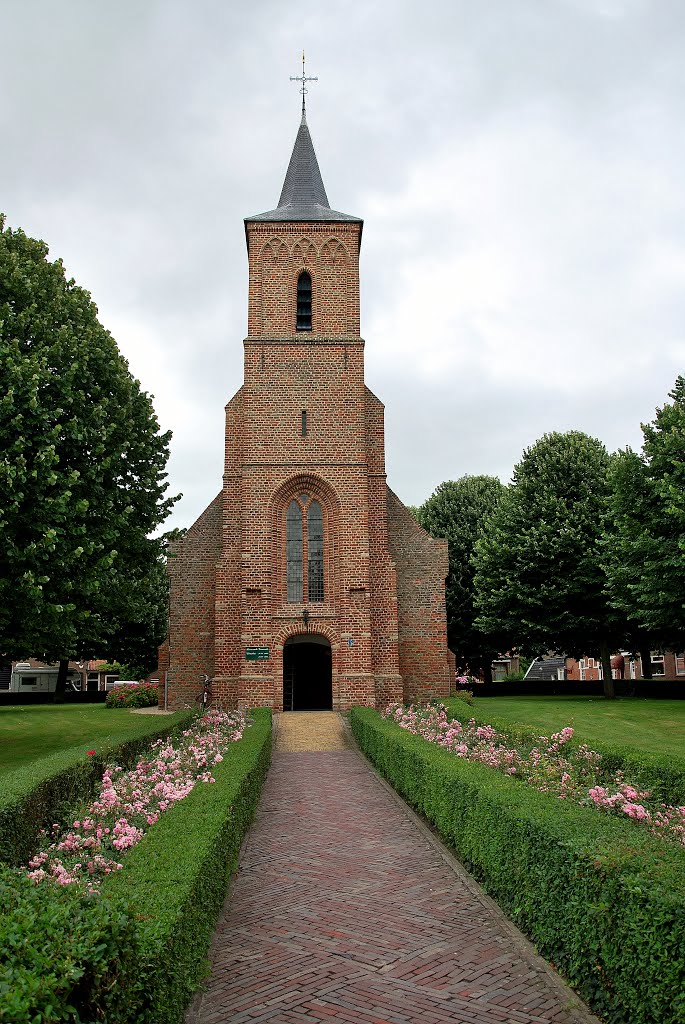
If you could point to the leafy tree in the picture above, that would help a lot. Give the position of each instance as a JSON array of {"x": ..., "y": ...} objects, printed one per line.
[
  {"x": 644, "y": 551},
  {"x": 82, "y": 471},
  {"x": 538, "y": 574},
  {"x": 457, "y": 510}
]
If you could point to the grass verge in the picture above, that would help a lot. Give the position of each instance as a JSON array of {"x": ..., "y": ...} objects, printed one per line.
[
  {"x": 31, "y": 732},
  {"x": 602, "y": 901},
  {"x": 647, "y": 725}
]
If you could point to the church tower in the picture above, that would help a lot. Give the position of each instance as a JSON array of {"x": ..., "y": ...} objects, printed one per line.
[{"x": 306, "y": 583}]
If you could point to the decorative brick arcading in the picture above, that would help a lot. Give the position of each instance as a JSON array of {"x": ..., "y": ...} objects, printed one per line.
[{"x": 278, "y": 252}]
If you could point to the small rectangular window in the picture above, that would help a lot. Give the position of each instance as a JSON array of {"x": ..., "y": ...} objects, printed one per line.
[{"x": 304, "y": 423}]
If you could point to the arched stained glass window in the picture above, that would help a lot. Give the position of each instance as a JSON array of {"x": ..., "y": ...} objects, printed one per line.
[
  {"x": 293, "y": 544},
  {"x": 304, "y": 302},
  {"x": 315, "y": 551},
  {"x": 304, "y": 540}
]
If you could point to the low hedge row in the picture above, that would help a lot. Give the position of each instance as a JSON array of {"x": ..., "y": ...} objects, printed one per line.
[
  {"x": 41, "y": 793},
  {"x": 138, "y": 951},
  {"x": 662, "y": 774},
  {"x": 600, "y": 899},
  {"x": 177, "y": 876}
]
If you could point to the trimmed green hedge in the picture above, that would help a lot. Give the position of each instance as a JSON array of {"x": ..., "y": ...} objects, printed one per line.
[
  {"x": 177, "y": 876},
  {"x": 65, "y": 956},
  {"x": 662, "y": 774},
  {"x": 601, "y": 899},
  {"x": 136, "y": 954},
  {"x": 41, "y": 793}
]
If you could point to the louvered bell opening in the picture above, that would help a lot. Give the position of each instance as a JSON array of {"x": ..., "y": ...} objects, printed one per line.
[{"x": 304, "y": 302}]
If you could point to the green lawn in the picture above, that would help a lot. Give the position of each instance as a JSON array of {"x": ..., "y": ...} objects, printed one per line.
[
  {"x": 654, "y": 725},
  {"x": 31, "y": 732}
]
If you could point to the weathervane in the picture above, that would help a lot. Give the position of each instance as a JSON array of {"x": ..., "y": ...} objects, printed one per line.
[{"x": 303, "y": 78}]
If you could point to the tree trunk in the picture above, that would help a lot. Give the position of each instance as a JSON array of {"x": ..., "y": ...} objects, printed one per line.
[
  {"x": 646, "y": 659},
  {"x": 61, "y": 684},
  {"x": 608, "y": 679}
]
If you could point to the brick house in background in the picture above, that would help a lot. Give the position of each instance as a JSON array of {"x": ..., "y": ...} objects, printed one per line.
[
  {"x": 665, "y": 665},
  {"x": 306, "y": 583}
]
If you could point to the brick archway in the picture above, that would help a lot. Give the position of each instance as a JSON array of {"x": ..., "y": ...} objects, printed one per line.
[
  {"x": 307, "y": 673},
  {"x": 291, "y": 631}
]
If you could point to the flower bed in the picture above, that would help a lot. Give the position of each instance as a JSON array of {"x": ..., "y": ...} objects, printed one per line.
[
  {"x": 602, "y": 900},
  {"x": 550, "y": 764},
  {"x": 134, "y": 695},
  {"x": 662, "y": 774},
  {"x": 42, "y": 793},
  {"x": 131, "y": 801}
]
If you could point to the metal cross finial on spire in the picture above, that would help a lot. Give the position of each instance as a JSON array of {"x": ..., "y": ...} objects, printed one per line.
[{"x": 303, "y": 78}]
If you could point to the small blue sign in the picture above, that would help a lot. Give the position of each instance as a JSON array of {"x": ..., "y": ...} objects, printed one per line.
[{"x": 350, "y": 642}]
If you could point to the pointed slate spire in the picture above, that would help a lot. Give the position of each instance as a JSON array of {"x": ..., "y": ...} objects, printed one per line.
[
  {"x": 303, "y": 196},
  {"x": 303, "y": 185}
]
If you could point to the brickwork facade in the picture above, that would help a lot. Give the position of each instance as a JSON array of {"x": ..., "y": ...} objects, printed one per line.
[{"x": 305, "y": 428}]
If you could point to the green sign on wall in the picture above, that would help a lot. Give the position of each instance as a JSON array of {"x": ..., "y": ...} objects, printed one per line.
[{"x": 256, "y": 653}]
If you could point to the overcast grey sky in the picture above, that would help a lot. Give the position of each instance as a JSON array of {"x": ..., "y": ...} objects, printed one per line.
[{"x": 519, "y": 165}]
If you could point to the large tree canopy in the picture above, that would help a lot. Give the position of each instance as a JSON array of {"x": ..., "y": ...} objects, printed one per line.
[
  {"x": 538, "y": 573},
  {"x": 645, "y": 547},
  {"x": 82, "y": 472},
  {"x": 457, "y": 510}
]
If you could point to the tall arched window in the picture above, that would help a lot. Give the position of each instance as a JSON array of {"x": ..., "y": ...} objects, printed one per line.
[
  {"x": 304, "y": 302},
  {"x": 293, "y": 545},
  {"x": 304, "y": 541}
]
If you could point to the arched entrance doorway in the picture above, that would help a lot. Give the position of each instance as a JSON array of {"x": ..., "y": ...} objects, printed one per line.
[{"x": 307, "y": 673}]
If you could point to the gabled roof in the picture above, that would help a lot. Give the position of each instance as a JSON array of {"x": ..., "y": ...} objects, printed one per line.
[
  {"x": 303, "y": 196},
  {"x": 545, "y": 667}
]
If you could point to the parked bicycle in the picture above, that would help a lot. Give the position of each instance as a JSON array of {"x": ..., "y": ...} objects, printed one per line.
[{"x": 204, "y": 698}]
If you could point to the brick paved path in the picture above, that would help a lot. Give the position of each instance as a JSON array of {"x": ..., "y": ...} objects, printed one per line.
[{"x": 346, "y": 909}]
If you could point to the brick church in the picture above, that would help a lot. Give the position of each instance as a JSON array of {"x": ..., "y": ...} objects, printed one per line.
[{"x": 306, "y": 583}]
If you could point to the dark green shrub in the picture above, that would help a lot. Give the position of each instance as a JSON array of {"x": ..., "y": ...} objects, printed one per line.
[
  {"x": 41, "y": 793},
  {"x": 601, "y": 900},
  {"x": 138, "y": 695},
  {"x": 65, "y": 956}
]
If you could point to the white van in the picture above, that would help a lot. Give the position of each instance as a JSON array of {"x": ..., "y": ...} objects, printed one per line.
[{"x": 25, "y": 679}]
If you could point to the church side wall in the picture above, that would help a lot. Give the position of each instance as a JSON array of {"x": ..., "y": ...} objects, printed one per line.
[
  {"x": 421, "y": 565},
  {"x": 191, "y": 567},
  {"x": 229, "y": 583},
  {"x": 383, "y": 578}
]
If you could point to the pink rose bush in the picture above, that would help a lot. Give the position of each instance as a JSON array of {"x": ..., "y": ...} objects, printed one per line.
[
  {"x": 130, "y": 802},
  {"x": 551, "y": 766},
  {"x": 137, "y": 695}
]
